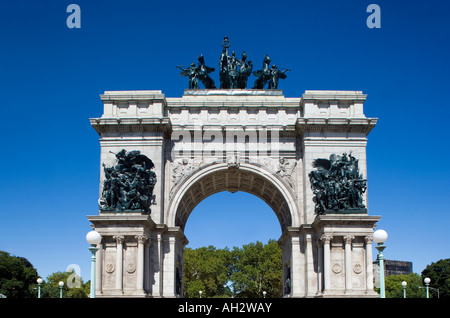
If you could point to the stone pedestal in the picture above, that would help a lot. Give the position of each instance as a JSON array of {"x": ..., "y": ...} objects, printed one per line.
[
  {"x": 345, "y": 243},
  {"x": 134, "y": 253}
]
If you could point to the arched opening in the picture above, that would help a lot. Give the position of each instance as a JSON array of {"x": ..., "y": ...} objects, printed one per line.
[
  {"x": 228, "y": 232},
  {"x": 245, "y": 179},
  {"x": 229, "y": 219}
]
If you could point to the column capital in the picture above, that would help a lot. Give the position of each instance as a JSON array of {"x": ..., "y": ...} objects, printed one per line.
[
  {"x": 326, "y": 238},
  {"x": 348, "y": 239},
  {"x": 119, "y": 238},
  {"x": 368, "y": 239},
  {"x": 141, "y": 238}
]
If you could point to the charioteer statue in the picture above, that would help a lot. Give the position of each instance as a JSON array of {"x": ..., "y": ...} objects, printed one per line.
[{"x": 233, "y": 73}]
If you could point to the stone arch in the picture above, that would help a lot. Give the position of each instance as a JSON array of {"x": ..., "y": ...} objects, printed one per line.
[
  {"x": 250, "y": 178},
  {"x": 318, "y": 124}
]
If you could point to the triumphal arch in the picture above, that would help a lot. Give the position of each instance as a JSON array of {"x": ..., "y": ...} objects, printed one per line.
[{"x": 305, "y": 157}]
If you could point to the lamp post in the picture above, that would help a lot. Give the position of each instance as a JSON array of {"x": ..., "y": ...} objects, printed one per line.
[
  {"x": 379, "y": 237},
  {"x": 39, "y": 281},
  {"x": 93, "y": 238},
  {"x": 61, "y": 285},
  {"x": 404, "y": 288},
  {"x": 427, "y": 285},
  {"x": 200, "y": 293},
  {"x": 264, "y": 294},
  {"x": 427, "y": 281}
]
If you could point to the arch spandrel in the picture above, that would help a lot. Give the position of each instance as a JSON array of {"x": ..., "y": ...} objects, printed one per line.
[{"x": 249, "y": 178}]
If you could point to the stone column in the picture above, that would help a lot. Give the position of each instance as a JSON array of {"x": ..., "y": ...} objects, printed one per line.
[
  {"x": 297, "y": 270},
  {"x": 326, "y": 239},
  {"x": 156, "y": 264},
  {"x": 140, "y": 262},
  {"x": 119, "y": 262},
  {"x": 311, "y": 287},
  {"x": 348, "y": 262},
  {"x": 369, "y": 264},
  {"x": 99, "y": 269},
  {"x": 147, "y": 267},
  {"x": 169, "y": 267},
  {"x": 319, "y": 248}
]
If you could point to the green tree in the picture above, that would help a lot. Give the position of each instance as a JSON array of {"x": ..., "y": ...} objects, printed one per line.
[
  {"x": 394, "y": 289},
  {"x": 206, "y": 269},
  {"x": 439, "y": 274},
  {"x": 73, "y": 286},
  {"x": 17, "y": 276},
  {"x": 257, "y": 268}
]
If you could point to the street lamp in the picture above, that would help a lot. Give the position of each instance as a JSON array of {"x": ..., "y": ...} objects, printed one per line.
[
  {"x": 379, "y": 237},
  {"x": 427, "y": 283},
  {"x": 200, "y": 293},
  {"x": 39, "y": 281},
  {"x": 264, "y": 294},
  {"x": 404, "y": 288},
  {"x": 93, "y": 238},
  {"x": 61, "y": 284}
]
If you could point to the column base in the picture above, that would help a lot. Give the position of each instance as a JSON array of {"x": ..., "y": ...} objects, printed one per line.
[
  {"x": 123, "y": 294},
  {"x": 348, "y": 294}
]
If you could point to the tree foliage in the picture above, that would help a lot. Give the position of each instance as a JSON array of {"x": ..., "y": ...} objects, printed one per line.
[
  {"x": 394, "y": 289},
  {"x": 242, "y": 272},
  {"x": 73, "y": 286},
  {"x": 17, "y": 276},
  {"x": 18, "y": 279},
  {"x": 439, "y": 274},
  {"x": 206, "y": 269},
  {"x": 257, "y": 268}
]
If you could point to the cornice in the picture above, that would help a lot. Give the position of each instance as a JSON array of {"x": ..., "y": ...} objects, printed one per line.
[
  {"x": 312, "y": 95},
  {"x": 103, "y": 125},
  {"x": 285, "y": 103},
  {"x": 132, "y": 95},
  {"x": 361, "y": 125}
]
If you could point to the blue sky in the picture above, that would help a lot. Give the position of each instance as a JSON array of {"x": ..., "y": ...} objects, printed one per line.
[{"x": 51, "y": 77}]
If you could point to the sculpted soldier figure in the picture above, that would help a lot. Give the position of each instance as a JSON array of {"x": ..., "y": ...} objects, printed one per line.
[
  {"x": 128, "y": 185},
  {"x": 337, "y": 185}
]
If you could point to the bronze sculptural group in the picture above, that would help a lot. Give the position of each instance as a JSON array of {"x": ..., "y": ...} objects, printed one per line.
[
  {"x": 128, "y": 185},
  {"x": 230, "y": 75},
  {"x": 233, "y": 73},
  {"x": 337, "y": 185}
]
